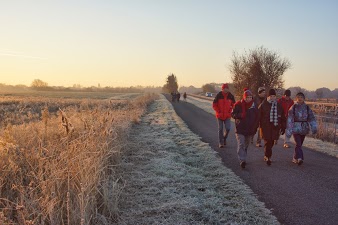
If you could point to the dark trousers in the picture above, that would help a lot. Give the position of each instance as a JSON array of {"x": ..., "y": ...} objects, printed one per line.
[
  {"x": 299, "y": 139},
  {"x": 268, "y": 144}
]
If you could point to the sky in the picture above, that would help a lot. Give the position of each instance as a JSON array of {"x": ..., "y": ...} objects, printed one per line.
[{"x": 128, "y": 43}]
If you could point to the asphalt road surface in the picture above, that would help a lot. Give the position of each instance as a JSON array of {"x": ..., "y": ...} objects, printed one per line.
[{"x": 306, "y": 194}]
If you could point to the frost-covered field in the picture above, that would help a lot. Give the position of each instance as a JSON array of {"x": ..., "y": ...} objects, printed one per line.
[
  {"x": 315, "y": 144},
  {"x": 171, "y": 177}
]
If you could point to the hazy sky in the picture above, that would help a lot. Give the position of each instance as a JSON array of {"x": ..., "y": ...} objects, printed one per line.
[{"x": 140, "y": 42}]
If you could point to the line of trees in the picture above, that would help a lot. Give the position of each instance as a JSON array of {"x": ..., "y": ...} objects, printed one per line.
[{"x": 39, "y": 85}]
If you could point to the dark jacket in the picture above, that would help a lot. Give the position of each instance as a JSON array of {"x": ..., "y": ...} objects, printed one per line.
[
  {"x": 268, "y": 130},
  {"x": 258, "y": 100},
  {"x": 223, "y": 104},
  {"x": 249, "y": 124}
]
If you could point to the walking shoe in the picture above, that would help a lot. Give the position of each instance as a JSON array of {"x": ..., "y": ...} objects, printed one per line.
[
  {"x": 286, "y": 146},
  {"x": 243, "y": 164},
  {"x": 295, "y": 161},
  {"x": 300, "y": 161},
  {"x": 220, "y": 146},
  {"x": 258, "y": 145},
  {"x": 267, "y": 160}
]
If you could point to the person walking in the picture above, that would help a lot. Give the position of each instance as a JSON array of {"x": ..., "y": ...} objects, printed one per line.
[
  {"x": 286, "y": 103},
  {"x": 173, "y": 96},
  {"x": 258, "y": 100},
  {"x": 178, "y": 96},
  {"x": 185, "y": 96},
  {"x": 223, "y": 104},
  {"x": 300, "y": 120},
  {"x": 245, "y": 113},
  {"x": 272, "y": 122}
]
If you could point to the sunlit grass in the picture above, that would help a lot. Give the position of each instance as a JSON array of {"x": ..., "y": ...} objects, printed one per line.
[{"x": 58, "y": 166}]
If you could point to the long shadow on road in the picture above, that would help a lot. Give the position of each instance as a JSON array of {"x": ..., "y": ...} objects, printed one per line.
[{"x": 306, "y": 194}]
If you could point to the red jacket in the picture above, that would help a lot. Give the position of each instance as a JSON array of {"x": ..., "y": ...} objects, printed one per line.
[
  {"x": 223, "y": 104},
  {"x": 286, "y": 104}
]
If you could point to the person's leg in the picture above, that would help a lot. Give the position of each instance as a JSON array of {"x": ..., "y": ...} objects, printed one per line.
[
  {"x": 220, "y": 132},
  {"x": 302, "y": 138},
  {"x": 247, "y": 141},
  {"x": 227, "y": 125},
  {"x": 296, "y": 154},
  {"x": 259, "y": 138},
  {"x": 241, "y": 147},
  {"x": 286, "y": 142},
  {"x": 268, "y": 150}
]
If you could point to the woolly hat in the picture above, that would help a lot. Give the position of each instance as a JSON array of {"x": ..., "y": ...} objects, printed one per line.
[
  {"x": 287, "y": 93},
  {"x": 300, "y": 94},
  {"x": 225, "y": 86},
  {"x": 247, "y": 93},
  {"x": 272, "y": 92},
  {"x": 261, "y": 89}
]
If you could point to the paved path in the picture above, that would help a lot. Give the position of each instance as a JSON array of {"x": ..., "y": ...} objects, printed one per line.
[{"x": 306, "y": 194}]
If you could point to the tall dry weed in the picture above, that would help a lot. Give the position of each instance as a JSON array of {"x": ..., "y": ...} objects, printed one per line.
[{"x": 59, "y": 168}]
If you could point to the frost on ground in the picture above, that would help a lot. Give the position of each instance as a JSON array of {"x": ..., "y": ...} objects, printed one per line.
[
  {"x": 312, "y": 143},
  {"x": 172, "y": 177}
]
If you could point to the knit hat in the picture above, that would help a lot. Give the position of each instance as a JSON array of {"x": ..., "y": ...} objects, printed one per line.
[
  {"x": 300, "y": 94},
  {"x": 247, "y": 93},
  {"x": 287, "y": 93},
  {"x": 261, "y": 89},
  {"x": 225, "y": 86},
  {"x": 272, "y": 92}
]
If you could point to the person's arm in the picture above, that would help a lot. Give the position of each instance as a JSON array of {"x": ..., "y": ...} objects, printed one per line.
[
  {"x": 215, "y": 104},
  {"x": 290, "y": 122},
  {"x": 237, "y": 111},
  {"x": 312, "y": 121}
]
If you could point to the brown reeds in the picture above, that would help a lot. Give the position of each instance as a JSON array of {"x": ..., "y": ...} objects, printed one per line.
[{"x": 57, "y": 166}]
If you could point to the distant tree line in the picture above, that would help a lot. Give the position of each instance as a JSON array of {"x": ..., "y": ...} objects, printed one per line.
[{"x": 39, "y": 85}]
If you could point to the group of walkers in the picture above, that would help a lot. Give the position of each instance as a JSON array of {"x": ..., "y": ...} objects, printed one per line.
[
  {"x": 267, "y": 116},
  {"x": 175, "y": 96}
]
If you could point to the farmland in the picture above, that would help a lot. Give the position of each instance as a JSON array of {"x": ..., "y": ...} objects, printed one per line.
[{"x": 58, "y": 153}]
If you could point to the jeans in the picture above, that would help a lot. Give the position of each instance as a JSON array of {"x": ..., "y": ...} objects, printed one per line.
[
  {"x": 223, "y": 136},
  {"x": 268, "y": 144},
  {"x": 299, "y": 139},
  {"x": 242, "y": 146}
]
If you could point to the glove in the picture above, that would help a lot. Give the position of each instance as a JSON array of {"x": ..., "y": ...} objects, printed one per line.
[{"x": 282, "y": 131}]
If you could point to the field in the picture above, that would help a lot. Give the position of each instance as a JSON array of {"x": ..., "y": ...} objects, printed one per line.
[{"x": 59, "y": 152}]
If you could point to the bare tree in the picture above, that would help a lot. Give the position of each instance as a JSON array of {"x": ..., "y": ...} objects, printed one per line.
[
  {"x": 258, "y": 68},
  {"x": 39, "y": 84}
]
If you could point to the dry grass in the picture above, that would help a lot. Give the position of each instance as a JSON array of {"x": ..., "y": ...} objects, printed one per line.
[
  {"x": 58, "y": 166},
  {"x": 172, "y": 177}
]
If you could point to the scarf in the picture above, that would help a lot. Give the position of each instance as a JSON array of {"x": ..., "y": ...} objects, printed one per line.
[
  {"x": 245, "y": 107},
  {"x": 273, "y": 112}
]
